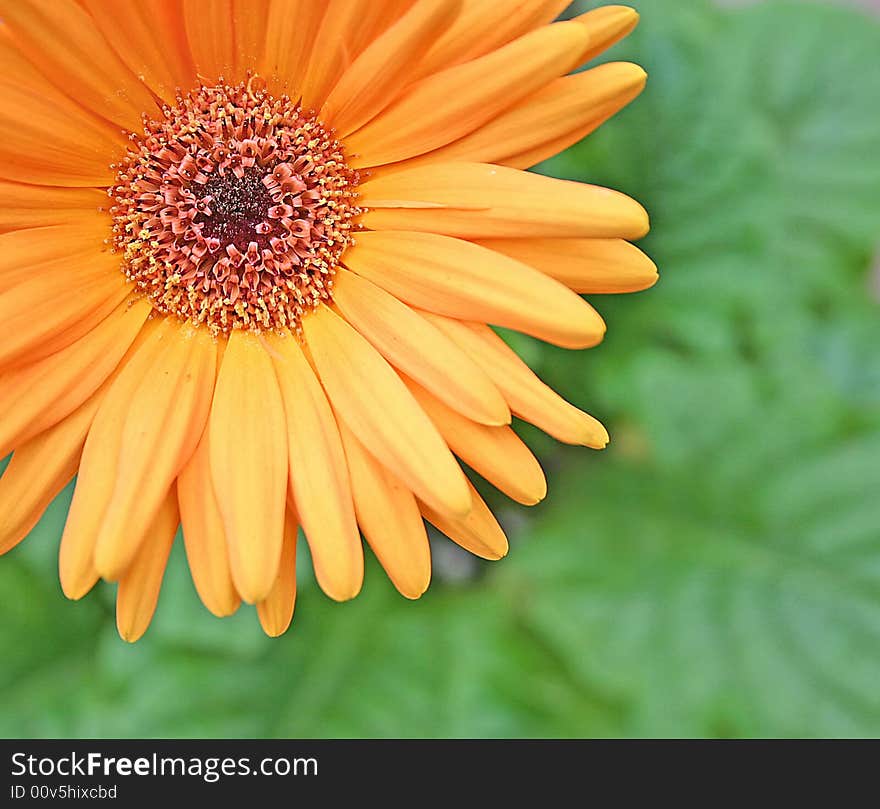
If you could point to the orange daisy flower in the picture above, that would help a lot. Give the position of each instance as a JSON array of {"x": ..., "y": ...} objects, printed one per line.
[{"x": 249, "y": 250}]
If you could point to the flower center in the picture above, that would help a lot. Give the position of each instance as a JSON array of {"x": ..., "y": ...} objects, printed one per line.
[{"x": 234, "y": 209}]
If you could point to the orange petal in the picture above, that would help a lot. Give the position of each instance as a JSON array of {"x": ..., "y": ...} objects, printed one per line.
[
  {"x": 376, "y": 77},
  {"x": 389, "y": 516},
  {"x": 481, "y": 200},
  {"x": 21, "y": 251},
  {"x": 28, "y": 206},
  {"x": 34, "y": 397},
  {"x": 496, "y": 453},
  {"x": 528, "y": 397},
  {"x": 53, "y": 343},
  {"x": 249, "y": 25},
  {"x": 210, "y": 33},
  {"x": 50, "y": 266},
  {"x": 562, "y": 107},
  {"x": 606, "y": 25},
  {"x": 96, "y": 478},
  {"x": 139, "y": 588},
  {"x": 319, "y": 474},
  {"x": 413, "y": 345},
  {"x": 464, "y": 280},
  {"x": 100, "y": 285},
  {"x": 478, "y": 533},
  {"x": 542, "y": 151},
  {"x": 275, "y": 611},
  {"x": 483, "y": 26},
  {"x": 38, "y": 471},
  {"x": 290, "y": 31},
  {"x": 334, "y": 47},
  {"x": 448, "y": 105},
  {"x": 369, "y": 397},
  {"x": 149, "y": 37},
  {"x": 166, "y": 416},
  {"x": 584, "y": 265},
  {"x": 63, "y": 42},
  {"x": 248, "y": 452},
  {"x": 376, "y": 19},
  {"x": 203, "y": 535},
  {"x": 45, "y": 137}
]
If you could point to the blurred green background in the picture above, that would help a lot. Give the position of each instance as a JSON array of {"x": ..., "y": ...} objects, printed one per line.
[{"x": 715, "y": 572}]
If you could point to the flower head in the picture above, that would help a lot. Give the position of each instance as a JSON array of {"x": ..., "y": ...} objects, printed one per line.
[{"x": 249, "y": 252}]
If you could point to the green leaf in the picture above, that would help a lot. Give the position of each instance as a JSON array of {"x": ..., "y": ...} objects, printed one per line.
[{"x": 708, "y": 610}]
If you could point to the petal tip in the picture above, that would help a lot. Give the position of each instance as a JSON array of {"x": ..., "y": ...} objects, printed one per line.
[
  {"x": 252, "y": 592},
  {"x": 595, "y": 435},
  {"x": 76, "y": 587},
  {"x": 130, "y": 632},
  {"x": 341, "y": 594},
  {"x": 107, "y": 565},
  {"x": 222, "y": 610},
  {"x": 540, "y": 497},
  {"x": 600, "y": 442},
  {"x": 413, "y": 591},
  {"x": 643, "y": 225},
  {"x": 272, "y": 629},
  {"x": 498, "y": 416}
]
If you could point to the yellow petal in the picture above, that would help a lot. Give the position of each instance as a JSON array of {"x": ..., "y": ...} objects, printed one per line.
[
  {"x": 28, "y": 206},
  {"x": 319, "y": 474},
  {"x": 478, "y": 533},
  {"x": 334, "y": 46},
  {"x": 64, "y": 43},
  {"x": 496, "y": 453},
  {"x": 38, "y": 471},
  {"x": 97, "y": 470},
  {"x": 149, "y": 37},
  {"x": 165, "y": 419},
  {"x": 560, "y": 108},
  {"x": 449, "y": 104},
  {"x": 290, "y": 31},
  {"x": 416, "y": 347},
  {"x": 369, "y": 397},
  {"x": 606, "y": 25},
  {"x": 389, "y": 517},
  {"x": 376, "y": 77},
  {"x": 203, "y": 535},
  {"x": 275, "y": 611},
  {"x": 528, "y": 397},
  {"x": 248, "y": 451},
  {"x": 34, "y": 397},
  {"x": 584, "y": 265},
  {"x": 139, "y": 588},
  {"x": 464, "y": 280},
  {"x": 480, "y": 200},
  {"x": 483, "y": 26}
]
